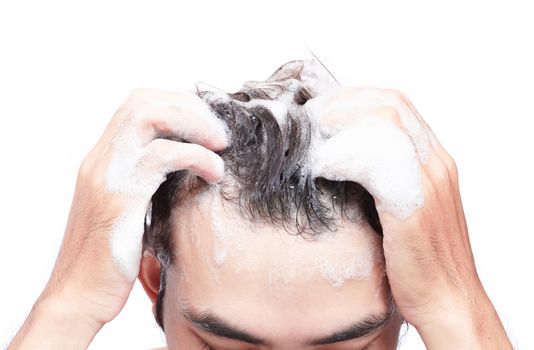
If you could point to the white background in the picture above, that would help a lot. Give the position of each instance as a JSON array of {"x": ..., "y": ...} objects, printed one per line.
[{"x": 65, "y": 67}]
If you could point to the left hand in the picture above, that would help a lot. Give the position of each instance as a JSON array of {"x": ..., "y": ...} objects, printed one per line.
[{"x": 429, "y": 261}]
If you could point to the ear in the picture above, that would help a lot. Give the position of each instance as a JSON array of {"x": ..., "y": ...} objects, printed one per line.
[{"x": 149, "y": 276}]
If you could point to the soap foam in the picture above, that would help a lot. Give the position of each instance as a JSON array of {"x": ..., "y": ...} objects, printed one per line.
[
  {"x": 278, "y": 108},
  {"x": 341, "y": 268},
  {"x": 126, "y": 241}
]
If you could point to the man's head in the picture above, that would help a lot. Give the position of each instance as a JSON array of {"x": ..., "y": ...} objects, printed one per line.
[{"x": 270, "y": 256}]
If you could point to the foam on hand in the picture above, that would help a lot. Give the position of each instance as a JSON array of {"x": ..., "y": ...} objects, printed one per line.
[
  {"x": 126, "y": 241},
  {"x": 382, "y": 153},
  {"x": 134, "y": 174},
  {"x": 123, "y": 177},
  {"x": 377, "y": 155}
]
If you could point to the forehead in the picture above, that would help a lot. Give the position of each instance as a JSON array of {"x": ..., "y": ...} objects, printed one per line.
[{"x": 226, "y": 263}]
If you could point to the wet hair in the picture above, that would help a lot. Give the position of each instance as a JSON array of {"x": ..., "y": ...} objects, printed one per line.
[{"x": 266, "y": 169}]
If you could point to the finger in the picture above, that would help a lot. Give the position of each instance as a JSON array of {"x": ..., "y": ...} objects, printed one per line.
[
  {"x": 349, "y": 105},
  {"x": 429, "y": 149},
  {"x": 182, "y": 116},
  {"x": 336, "y": 100},
  {"x": 377, "y": 155},
  {"x": 441, "y": 169},
  {"x": 341, "y": 119},
  {"x": 342, "y": 106},
  {"x": 440, "y": 174},
  {"x": 150, "y": 114},
  {"x": 434, "y": 142},
  {"x": 162, "y": 156}
]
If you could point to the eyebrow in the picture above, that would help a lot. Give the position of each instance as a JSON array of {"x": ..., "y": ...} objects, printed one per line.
[
  {"x": 210, "y": 323},
  {"x": 359, "y": 329}
]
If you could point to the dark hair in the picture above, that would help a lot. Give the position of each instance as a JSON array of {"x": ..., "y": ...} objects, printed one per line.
[{"x": 265, "y": 163}]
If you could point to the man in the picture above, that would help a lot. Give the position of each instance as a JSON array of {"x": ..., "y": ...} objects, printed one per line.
[{"x": 294, "y": 214}]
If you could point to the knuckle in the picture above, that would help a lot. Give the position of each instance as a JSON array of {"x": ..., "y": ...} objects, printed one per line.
[
  {"x": 432, "y": 185},
  {"x": 90, "y": 174},
  {"x": 136, "y": 98},
  {"x": 129, "y": 110},
  {"x": 96, "y": 182},
  {"x": 452, "y": 166},
  {"x": 142, "y": 120},
  {"x": 132, "y": 114},
  {"x": 156, "y": 149},
  {"x": 85, "y": 168},
  {"x": 449, "y": 165},
  {"x": 442, "y": 174},
  {"x": 170, "y": 152},
  {"x": 396, "y": 95},
  {"x": 391, "y": 113},
  {"x": 90, "y": 180}
]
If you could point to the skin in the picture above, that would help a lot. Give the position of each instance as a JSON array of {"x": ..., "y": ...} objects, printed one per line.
[
  {"x": 428, "y": 258},
  {"x": 243, "y": 286}
]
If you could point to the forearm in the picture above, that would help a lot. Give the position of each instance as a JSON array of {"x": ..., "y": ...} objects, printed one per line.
[
  {"x": 465, "y": 328},
  {"x": 53, "y": 324}
]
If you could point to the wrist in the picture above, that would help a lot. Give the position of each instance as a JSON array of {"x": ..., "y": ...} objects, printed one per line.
[
  {"x": 56, "y": 323},
  {"x": 451, "y": 329},
  {"x": 464, "y": 325}
]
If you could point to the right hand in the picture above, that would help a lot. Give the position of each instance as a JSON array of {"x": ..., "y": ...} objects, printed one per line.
[
  {"x": 428, "y": 257},
  {"x": 114, "y": 186}
]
